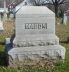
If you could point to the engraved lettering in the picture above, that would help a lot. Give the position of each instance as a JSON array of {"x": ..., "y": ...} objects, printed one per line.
[{"x": 36, "y": 26}]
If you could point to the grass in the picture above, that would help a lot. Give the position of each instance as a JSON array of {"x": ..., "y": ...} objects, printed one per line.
[
  {"x": 62, "y": 31},
  {"x": 8, "y": 31}
]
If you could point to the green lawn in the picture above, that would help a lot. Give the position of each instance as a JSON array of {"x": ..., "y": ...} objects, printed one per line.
[{"x": 62, "y": 31}]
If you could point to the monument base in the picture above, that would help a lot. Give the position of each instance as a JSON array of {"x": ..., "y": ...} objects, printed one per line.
[
  {"x": 36, "y": 53},
  {"x": 36, "y": 40}
]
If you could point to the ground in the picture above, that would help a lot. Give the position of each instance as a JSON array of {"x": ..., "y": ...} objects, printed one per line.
[{"x": 62, "y": 31}]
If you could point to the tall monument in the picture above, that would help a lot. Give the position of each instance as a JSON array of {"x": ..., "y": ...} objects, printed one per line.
[{"x": 35, "y": 35}]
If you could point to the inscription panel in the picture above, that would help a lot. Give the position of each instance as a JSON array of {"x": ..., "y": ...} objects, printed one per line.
[{"x": 35, "y": 25}]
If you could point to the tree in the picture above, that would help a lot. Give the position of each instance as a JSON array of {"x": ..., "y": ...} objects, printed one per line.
[{"x": 56, "y": 4}]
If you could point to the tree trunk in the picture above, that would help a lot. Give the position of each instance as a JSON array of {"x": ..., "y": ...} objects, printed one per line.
[{"x": 56, "y": 10}]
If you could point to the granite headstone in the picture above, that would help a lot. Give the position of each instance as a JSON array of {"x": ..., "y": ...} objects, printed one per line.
[{"x": 35, "y": 35}]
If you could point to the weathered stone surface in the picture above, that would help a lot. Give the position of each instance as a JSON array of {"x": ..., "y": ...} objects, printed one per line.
[
  {"x": 37, "y": 40},
  {"x": 35, "y": 36},
  {"x": 53, "y": 51},
  {"x": 35, "y": 24}
]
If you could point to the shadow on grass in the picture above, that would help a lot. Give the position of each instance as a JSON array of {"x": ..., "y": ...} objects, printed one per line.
[
  {"x": 3, "y": 59},
  {"x": 2, "y": 43},
  {"x": 3, "y": 55},
  {"x": 66, "y": 42}
]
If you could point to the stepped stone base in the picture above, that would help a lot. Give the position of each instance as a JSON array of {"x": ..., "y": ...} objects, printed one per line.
[
  {"x": 36, "y": 53},
  {"x": 36, "y": 40}
]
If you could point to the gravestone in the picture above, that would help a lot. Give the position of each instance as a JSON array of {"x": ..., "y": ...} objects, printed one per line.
[
  {"x": 35, "y": 35},
  {"x": 1, "y": 24},
  {"x": 65, "y": 19}
]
